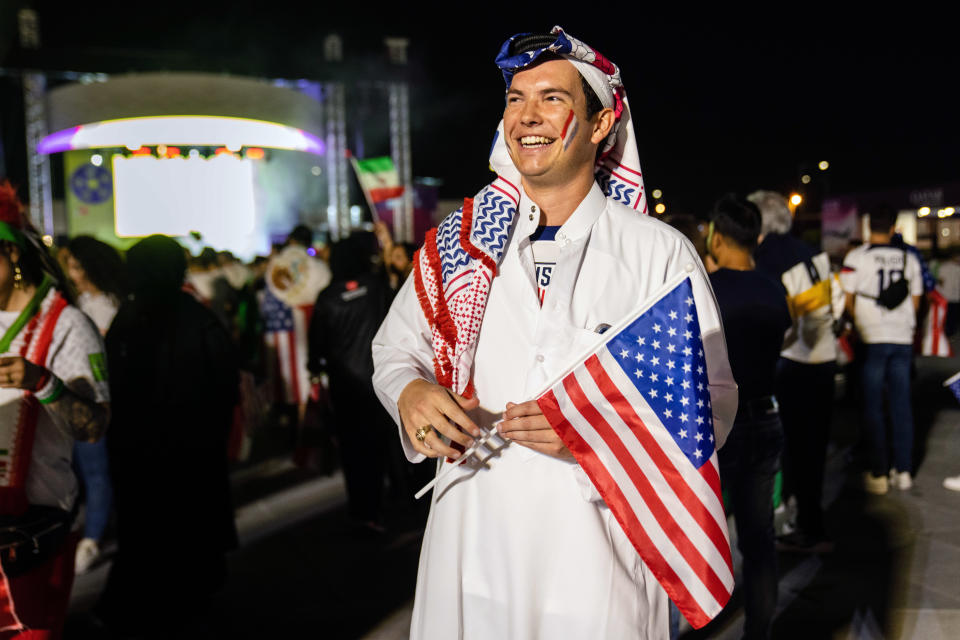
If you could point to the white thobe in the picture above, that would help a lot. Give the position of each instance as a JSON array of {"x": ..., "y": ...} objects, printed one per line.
[{"x": 523, "y": 547}]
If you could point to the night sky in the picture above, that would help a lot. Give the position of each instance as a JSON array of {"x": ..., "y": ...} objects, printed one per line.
[{"x": 722, "y": 102}]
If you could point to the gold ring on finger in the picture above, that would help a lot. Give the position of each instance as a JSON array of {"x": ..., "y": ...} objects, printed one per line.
[{"x": 422, "y": 432}]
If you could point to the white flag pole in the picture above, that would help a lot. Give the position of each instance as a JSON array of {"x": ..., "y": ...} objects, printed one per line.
[{"x": 479, "y": 442}]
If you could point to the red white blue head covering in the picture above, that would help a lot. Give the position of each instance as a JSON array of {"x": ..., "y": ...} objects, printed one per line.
[
  {"x": 618, "y": 167},
  {"x": 454, "y": 269}
]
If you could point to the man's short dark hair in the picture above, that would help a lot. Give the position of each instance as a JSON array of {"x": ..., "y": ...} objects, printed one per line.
[
  {"x": 534, "y": 41},
  {"x": 738, "y": 219},
  {"x": 882, "y": 218}
]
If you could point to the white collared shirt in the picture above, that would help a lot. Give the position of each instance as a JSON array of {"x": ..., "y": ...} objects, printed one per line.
[{"x": 610, "y": 259}]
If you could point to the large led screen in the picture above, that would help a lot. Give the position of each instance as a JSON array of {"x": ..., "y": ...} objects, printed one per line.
[{"x": 175, "y": 196}]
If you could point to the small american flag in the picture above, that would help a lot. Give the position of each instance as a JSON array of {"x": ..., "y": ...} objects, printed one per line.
[
  {"x": 636, "y": 414},
  {"x": 285, "y": 335}
]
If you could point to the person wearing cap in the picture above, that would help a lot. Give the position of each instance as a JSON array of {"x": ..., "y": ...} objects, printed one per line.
[
  {"x": 53, "y": 391},
  {"x": 504, "y": 293}
]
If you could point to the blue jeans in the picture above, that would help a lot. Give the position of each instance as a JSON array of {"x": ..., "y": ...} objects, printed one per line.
[
  {"x": 888, "y": 366},
  {"x": 749, "y": 462},
  {"x": 90, "y": 462}
]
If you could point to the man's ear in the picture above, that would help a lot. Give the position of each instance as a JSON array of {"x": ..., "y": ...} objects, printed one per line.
[{"x": 605, "y": 120}]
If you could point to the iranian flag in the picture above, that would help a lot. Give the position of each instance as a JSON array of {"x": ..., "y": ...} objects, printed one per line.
[{"x": 379, "y": 178}]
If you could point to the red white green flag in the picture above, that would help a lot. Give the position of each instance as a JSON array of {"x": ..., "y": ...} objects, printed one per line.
[{"x": 379, "y": 178}]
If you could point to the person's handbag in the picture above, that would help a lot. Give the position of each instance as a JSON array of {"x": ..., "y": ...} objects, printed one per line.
[
  {"x": 896, "y": 292},
  {"x": 30, "y": 539}
]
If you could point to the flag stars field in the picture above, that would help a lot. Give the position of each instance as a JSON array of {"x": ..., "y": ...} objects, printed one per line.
[{"x": 685, "y": 370}]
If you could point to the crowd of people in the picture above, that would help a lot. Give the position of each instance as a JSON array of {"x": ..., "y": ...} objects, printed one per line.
[
  {"x": 129, "y": 383},
  {"x": 184, "y": 356},
  {"x": 790, "y": 315}
]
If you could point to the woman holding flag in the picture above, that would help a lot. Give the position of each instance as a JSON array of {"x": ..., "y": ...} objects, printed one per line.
[{"x": 53, "y": 390}]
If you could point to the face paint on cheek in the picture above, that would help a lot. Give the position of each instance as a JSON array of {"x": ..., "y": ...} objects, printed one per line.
[{"x": 570, "y": 129}]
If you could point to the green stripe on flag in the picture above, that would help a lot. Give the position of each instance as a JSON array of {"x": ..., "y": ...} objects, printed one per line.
[{"x": 376, "y": 165}]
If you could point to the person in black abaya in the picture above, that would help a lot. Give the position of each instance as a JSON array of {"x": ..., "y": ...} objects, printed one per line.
[
  {"x": 174, "y": 384},
  {"x": 345, "y": 319}
]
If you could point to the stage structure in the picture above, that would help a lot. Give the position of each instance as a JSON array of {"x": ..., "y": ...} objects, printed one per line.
[{"x": 239, "y": 160}]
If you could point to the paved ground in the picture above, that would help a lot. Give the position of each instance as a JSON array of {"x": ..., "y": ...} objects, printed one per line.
[
  {"x": 305, "y": 571},
  {"x": 895, "y": 571}
]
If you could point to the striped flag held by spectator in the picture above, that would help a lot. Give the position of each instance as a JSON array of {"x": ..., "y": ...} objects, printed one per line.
[
  {"x": 285, "y": 336},
  {"x": 637, "y": 416}
]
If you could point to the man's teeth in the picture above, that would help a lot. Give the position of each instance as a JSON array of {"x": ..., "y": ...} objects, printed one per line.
[{"x": 535, "y": 141}]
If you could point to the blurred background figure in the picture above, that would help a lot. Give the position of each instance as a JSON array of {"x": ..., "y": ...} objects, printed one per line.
[
  {"x": 207, "y": 280},
  {"x": 293, "y": 278},
  {"x": 755, "y": 317},
  {"x": 345, "y": 319},
  {"x": 176, "y": 385},
  {"x": 693, "y": 229},
  {"x": 397, "y": 257},
  {"x": 53, "y": 391},
  {"x": 948, "y": 276},
  {"x": 883, "y": 286},
  {"x": 236, "y": 273},
  {"x": 98, "y": 274},
  {"x": 805, "y": 373}
]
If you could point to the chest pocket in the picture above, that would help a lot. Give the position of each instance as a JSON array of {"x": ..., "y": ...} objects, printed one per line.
[{"x": 579, "y": 343}]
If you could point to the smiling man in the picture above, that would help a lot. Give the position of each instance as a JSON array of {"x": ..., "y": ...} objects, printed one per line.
[{"x": 505, "y": 294}]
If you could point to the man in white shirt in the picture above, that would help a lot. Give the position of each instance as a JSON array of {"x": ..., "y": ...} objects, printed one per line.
[
  {"x": 523, "y": 546},
  {"x": 885, "y": 319}
]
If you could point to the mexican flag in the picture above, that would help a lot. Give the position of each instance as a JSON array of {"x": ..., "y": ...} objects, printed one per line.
[{"x": 379, "y": 178}]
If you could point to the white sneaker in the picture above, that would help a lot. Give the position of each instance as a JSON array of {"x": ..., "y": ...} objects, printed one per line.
[
  {"x": 877, "y": 485},
  {"x": 87, "y": 553},
  {"x": 952, "y": 483},
  {"x": 901, "y": 480}
]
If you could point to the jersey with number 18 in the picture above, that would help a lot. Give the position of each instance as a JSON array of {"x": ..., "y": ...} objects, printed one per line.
[{"x": 867, "y": 270}]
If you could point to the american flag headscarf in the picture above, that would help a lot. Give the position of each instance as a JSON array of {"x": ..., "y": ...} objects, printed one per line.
[{"x": 455, "y": 267}]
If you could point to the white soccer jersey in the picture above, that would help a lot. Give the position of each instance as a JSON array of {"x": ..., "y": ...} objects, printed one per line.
[
  {"x": 867, "y": 270},
  {"x": 810, "y": 339}
]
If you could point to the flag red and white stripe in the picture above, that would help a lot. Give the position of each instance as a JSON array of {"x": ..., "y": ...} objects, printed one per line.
[
  {"x": 933, "y": 340},
  {"x": 285, "y": 338}
]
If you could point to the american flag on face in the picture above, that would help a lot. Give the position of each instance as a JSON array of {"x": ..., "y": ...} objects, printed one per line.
[
  {"x": 285, "y": 331},
  {"x": 636, "y": 414}
]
